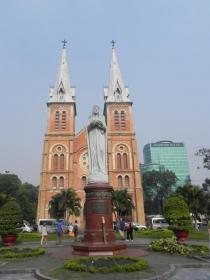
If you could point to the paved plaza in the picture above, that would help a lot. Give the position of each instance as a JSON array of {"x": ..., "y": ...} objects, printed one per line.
[{"x": 162, "y": 266}]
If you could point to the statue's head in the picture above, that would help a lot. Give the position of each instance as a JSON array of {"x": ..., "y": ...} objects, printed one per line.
[{"x": 96, "y": 110}]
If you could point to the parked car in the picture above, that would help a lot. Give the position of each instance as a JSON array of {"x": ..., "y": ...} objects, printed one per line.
[
  {"x": 137, "y": 226},
  {"x": 26, "y": 227},
  {"x": 159, "y": 223},
  {"x": 50, "y": 223}
]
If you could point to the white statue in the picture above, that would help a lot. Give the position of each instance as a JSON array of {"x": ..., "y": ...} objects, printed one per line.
[{"x": 97, "y": 148}]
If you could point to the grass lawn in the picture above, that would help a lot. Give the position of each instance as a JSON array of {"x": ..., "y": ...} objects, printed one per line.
[
  {"x": 148, "y": 233},
  {"x": 36, "y": 236},
  {"x": 63, "y": 274},
  {"x": 198, "y": 235},
  {"x": 165, "y": 233}
]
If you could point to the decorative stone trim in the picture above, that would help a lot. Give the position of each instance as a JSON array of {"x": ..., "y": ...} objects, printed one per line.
[{"x": 98, "y": 194}]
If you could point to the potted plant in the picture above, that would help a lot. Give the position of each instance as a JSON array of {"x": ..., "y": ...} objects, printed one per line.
[
  {"x": 178, "y": 216},
  {"x": 10, "y": 222}
]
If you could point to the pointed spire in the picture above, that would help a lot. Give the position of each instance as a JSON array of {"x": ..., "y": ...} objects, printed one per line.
[
  {"x": 116, "y": 90},
  {"x": 62, "y": 92}
]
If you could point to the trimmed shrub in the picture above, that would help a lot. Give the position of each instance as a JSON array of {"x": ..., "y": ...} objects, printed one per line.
[
  {"x": 177, "y": 214},
  {"x": 106, "y": 264},
  {"x": 10, "y": 218},
  {"x": 20, "y": 253}
]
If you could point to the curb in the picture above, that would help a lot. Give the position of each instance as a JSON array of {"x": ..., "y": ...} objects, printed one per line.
[
  {"x": 164, "y": 276},
  {"x": 41, "y": 276}
]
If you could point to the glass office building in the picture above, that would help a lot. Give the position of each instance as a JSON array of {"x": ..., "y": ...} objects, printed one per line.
[{"x": 173, "y": 156}]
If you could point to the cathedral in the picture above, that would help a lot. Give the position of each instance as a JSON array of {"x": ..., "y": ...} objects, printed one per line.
[{"x": 65, "y": 152}]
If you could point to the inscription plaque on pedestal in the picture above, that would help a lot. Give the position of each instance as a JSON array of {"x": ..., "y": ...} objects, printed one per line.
[{"x": 99, "y": 208}]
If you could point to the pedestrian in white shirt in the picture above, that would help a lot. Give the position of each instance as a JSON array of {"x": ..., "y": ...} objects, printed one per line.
[{"x": 44, "y": 234}]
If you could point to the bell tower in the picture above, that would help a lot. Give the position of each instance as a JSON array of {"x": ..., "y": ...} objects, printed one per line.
[
  {"x": 123, "y": 157},
  {"x": 57, "y": 158}
]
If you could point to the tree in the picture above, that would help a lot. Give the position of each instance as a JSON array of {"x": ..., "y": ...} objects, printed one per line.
[
  {"x": 196, "y": 199},
  {"x": 206, "y": 185},
  {"x": 9, "y": 184},
  {"x": 27, "y": 197},
  {"x": 122, "y": 203},
  {"x": 205, "y": 153},
  {"x": 157, "y": 186},
  {"x": 25, "y": 194},
  {"x": 64, "y": 204}
]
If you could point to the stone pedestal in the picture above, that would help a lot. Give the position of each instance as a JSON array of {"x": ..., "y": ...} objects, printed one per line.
[{"x": 99, "y": 236}]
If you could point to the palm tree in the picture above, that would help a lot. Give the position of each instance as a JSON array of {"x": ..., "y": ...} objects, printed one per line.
[
  {"x": 64, "y": 204},
  {"x": 122, "y": 203}
]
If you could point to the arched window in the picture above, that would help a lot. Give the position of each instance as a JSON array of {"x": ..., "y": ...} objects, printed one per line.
[
  {"x": 84, "y": 181},
  {"x": 127, "y": 181},
  {"x": 125, "y": 161},
  {"x": 116, "y": 119},
  {"x": 55, "y": 162},
  {"x": 119, "y": 163},
  {"x": 63, "y": 119},
  {"x": 122, "y": 119},
  {"x": 57, "y": 120},
  {"x": 54, "y": 182},
  {"x": 120, "y": 181},
  {"x": 61, "y": 182},
  {"x": 62, "y": 161}
]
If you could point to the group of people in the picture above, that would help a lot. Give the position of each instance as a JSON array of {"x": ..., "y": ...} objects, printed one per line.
[
  {"x": 123, "y": 227},
  {"x": 73, "y": 231}
]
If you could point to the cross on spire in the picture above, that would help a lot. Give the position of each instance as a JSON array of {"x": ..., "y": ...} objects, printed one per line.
[
  {"x": 113, "y": 44},
  {"x": 64, "y": 43}
]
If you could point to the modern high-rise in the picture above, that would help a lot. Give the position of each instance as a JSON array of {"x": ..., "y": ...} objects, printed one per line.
[{"x": 170, "y": 155}]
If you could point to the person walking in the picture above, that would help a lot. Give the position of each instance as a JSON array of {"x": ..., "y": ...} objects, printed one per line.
[
  {"x": 44, "y": 234},
  {"x": 122, "y": 229},
  {"x": 129, "y": 231},
  {"x": 59, "y": 232},
  {"x": 70, "y": 228},
  {"x": 75, "y": 230}
]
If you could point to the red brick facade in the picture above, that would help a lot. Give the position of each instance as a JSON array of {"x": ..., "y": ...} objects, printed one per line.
[{"x": 65, "y": 162}]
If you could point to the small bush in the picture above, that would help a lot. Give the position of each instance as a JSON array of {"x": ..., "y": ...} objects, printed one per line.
[
  {"x": 106, "y": 264},
  {"x": 177, "y": 214},
  {"x": 170, "y": 245},
  {"x": 10, "y": 218},
  {"x": 20, "y": 253}
]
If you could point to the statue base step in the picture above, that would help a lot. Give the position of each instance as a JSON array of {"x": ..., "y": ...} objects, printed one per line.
[{"x": 99, "y": 249}]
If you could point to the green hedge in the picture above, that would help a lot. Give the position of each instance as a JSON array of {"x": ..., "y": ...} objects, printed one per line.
[
  {"x": 154, "y": 233},
  {"x": 106, "y": 264},
  {"x": 20, "y": 252}
]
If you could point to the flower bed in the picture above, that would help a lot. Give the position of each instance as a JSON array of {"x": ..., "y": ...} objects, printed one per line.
[
  {"x": 170, "y": 245},
  {"x": 106, "y": 264},
  {"x": 20, "y": 253}
]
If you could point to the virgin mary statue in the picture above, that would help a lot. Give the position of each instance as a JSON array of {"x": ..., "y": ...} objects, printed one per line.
[{"x": 97, "y": 148}]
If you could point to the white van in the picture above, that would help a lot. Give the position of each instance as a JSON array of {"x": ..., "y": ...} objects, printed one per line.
[
  {"x": 50, "y": 223},
  {"x": 159, "y": 223}
]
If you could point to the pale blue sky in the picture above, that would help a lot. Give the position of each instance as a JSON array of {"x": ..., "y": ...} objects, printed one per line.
[{"x": 163, "y": 48}]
